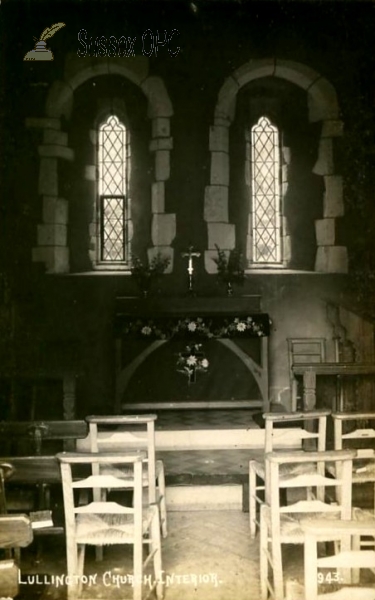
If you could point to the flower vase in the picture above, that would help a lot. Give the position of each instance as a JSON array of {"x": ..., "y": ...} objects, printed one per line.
[
  {"x": 145, "y": 286},
  {"x": 229, "y": 289},
  {"x": 192, "y": 377}
]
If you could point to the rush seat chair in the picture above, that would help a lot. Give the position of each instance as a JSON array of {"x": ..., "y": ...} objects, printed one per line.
[{"x": 106, "y": 522}]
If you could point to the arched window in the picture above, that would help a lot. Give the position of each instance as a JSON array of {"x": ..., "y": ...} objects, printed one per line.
[
  {"x": 266, "y": 194},
  {"x": 113, "y": 202}
]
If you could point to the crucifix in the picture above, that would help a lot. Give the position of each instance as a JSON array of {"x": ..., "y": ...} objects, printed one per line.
[{"x": 191, "y": 254}]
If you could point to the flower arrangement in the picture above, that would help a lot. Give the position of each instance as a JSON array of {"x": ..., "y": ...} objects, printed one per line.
[
  {"x": 192, "y": 360},
  {"x": 229, "y": 268},
  {"x": 144, "y": 274}
]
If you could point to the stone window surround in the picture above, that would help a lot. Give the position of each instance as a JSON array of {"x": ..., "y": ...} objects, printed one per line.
[
  {"x": 52, "y": 248},
  {"x": 323, "y": 107}
]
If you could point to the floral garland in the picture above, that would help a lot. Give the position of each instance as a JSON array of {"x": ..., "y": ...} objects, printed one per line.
[{"x": 255, "y": 326}]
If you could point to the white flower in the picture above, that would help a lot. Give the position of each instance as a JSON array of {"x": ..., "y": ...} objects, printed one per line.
[
  {"x": 205, "y": 363},
  {"x": 192, "y": 326},
  {"x": 191, "y": 360},
  {"x": 146, "y": 330},
  {"x": 241, "y": 326}
]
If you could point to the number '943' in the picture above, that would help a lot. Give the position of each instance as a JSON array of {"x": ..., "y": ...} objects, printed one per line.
[{"x": 329, "y": 577}]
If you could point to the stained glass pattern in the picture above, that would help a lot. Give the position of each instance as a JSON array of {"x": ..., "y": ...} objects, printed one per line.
[
  {"x": 113, "y": 229},
  {"x": 112, "y": 189},
  {"x": 266, "y": 192}
]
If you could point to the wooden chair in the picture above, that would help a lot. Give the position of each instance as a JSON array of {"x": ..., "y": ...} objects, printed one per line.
[
  {"x": 312, "y": 431},
  {"x": 15, "y": 533},
  {"x": 352, "y": 430},
  {"x": 129, "y": 432},
  {"x": 108, "y": 522},
  {"x": 303, "y": 350},
  {"x": 331, "y": 566},
  {"x": 280, "y": 524}
]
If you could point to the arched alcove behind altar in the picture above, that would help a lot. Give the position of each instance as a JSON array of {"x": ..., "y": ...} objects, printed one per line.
[{"x": 157, "y": 379}]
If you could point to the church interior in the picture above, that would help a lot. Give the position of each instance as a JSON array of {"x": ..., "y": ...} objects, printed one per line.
[{"x": 187, "y": 223}]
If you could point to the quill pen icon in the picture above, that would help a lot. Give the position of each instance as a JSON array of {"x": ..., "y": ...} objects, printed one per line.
[{"x": 41, "y": 52}]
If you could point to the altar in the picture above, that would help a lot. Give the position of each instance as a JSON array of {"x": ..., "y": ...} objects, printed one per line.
[{"x": 191, "y": 353}]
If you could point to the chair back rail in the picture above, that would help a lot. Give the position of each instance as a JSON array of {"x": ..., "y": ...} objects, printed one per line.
[
  {"x": 314, "y": 479},
  {"x": 308, "y": 430}
]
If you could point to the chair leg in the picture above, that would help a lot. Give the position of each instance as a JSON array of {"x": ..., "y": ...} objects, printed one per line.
[
  {"x": 311, "y": 569},
  {"x": 98, "y": 553},
  {"x": 356, "y": 546},
  {"x": 99, "y": 495},
  {"x": 263, "y": 558},
  {"x": 277, "y": 566},
  {"x": 163, "y": 500},
  {"x": 156, "y": 549},
  {"x": 138, "y": 565},
  {"x": 252, "y": 500},
  {"x": 72, "y": 568},
  {"x": 81, "y": 559},
  {"x": 80, "y": 565}
]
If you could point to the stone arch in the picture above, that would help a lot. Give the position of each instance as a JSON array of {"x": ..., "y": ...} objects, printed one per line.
[
  {"x": 323, "y": 107},
  {"x": 52, "y": 247},
  {"x": 259, "y": 375}
]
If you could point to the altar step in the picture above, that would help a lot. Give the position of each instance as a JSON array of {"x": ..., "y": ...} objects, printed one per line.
[
  {"x": 209, "y": 479},
  {"x": 206, "y": 497},
  {"x": 206, "y": 455}
]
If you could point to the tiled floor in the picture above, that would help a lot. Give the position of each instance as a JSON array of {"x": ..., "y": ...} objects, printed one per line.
[
  {"x": 207, "y": 462},
  {"x": 206, "y": 419},
  {"x": 206, "y": 556}
]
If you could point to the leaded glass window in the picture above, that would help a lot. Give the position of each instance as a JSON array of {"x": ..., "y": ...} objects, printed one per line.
[
  {"x": 266, "y": 222},
  {"x": 113, "y": 168}
]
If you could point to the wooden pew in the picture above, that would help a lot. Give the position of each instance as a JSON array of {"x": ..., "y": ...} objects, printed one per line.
[
  {"x": 33, "y": 446},
  {"x": 28, "y": 437},
  {"x": 29, "y": 486}
]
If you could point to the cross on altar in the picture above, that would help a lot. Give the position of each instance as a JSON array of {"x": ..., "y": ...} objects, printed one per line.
[{"x": 191, "y": 254}]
